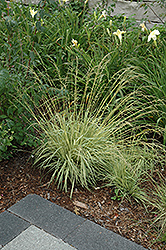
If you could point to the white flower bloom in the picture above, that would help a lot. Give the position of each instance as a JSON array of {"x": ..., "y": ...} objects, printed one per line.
[
  {"x": 75, "y": 43},
  {"x": 86, "y": 1},
  {"x": 153, "y": 35},
  {"x": 119, "y": 34},
  {"x": 103, "y": 14},
  {"x": 143, "y": 27},
  {"x": 33, "y": 13}
]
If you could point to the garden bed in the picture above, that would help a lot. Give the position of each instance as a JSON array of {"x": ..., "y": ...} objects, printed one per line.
[
  {"x": 130, "y": 220},
  {"x": 87, "y": 91}
]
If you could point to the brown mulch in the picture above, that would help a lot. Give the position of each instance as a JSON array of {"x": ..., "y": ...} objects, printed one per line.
[{"x": 131, "y": 220}]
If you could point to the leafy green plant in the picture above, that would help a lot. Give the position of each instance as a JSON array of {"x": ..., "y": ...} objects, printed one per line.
[
  {"x": 12, "y": 116},
  {"x": 6, "y": 138},
  {"x": 117, "y": 195}
]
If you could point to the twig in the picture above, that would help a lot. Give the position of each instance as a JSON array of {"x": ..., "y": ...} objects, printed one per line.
[{"x": 99, "y": 204}]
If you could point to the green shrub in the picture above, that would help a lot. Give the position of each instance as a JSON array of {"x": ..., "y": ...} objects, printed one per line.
[
  {"x": 6, "y": 138},
  {"x": 13, "y": 118}
]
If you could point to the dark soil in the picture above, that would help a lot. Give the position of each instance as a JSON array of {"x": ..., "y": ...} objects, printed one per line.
[{"x": 131, "y": 220}]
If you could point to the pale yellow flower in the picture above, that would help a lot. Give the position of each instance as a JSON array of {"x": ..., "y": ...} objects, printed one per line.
[
  {"x": 110, "y": 22},
  {"x": 143, "y": 27},
  {"x": 119, "y": 34},
  {"x": 33, "y": 13},
  {"x": 103, "y": 14},
  {"x": 153, "y": 35},
  {"x": 75, "y": 43}
]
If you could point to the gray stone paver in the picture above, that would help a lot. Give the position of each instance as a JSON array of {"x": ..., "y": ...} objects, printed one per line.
[
  {"x": 34, "y": 238},
  {"x": 60, "y": 226},
  {"x": 47, "y": 215},
  {"x": 10, "y": 227},
  {"x": 92, "y": 236}
]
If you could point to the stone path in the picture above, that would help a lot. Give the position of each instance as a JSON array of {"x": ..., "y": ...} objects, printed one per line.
[{"x": 38, "y": 224}]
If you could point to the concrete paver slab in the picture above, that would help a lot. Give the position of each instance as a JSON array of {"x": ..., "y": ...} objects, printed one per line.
[
  {"x": 10, "y": 227},
  {"x": 61, "y": 223},
  {"x": 34, "y": 238},
  {"x": 94, "y": 237},
  {"x": 47, "y": 215}
]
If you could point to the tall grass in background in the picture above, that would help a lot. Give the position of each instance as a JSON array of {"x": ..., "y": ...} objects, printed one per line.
[{"x": 152, "y": 81}]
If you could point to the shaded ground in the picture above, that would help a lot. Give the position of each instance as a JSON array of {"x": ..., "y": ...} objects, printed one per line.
[{"x": 131, "y": 220}]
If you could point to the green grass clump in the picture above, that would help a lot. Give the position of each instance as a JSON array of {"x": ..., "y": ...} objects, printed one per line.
[
  {"x": 75, "y": 150},
  {"x": 158, "y": 200},
  {"x": 84, "y": 133},
  {"x": 128, "y": 170}
]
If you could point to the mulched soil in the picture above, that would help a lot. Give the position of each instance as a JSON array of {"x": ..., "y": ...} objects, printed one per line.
[{"x": 131, "y": 220}]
